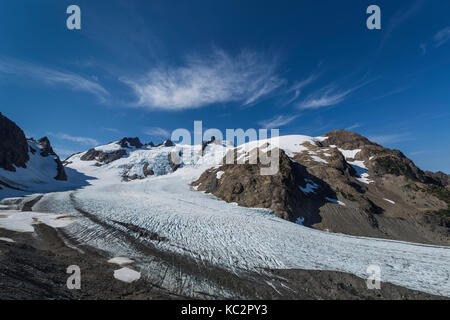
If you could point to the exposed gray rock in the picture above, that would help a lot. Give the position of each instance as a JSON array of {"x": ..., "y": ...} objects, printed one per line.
[
  {"x": 166, "y": 143},
  {"x": 101, "y": 156},
  {"x": 147, "y": 171},
  {"x": 174, "y": 160},
  {"x": 205, "y": 144},
  {"x": 440, "y": 177}
]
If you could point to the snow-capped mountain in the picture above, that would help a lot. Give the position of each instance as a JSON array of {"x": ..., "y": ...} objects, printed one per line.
[
  {"x": 27, "y": 165},
  {"x": 339, "y": 182}
]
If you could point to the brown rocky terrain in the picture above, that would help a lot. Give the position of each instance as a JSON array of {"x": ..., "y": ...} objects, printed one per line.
[{"x": 372, "y": 191}]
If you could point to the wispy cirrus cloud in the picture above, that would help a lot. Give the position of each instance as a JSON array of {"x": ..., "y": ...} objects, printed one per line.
[
  {"x": 113, "y": 130},
  {"x": 217, "y": 78},
  {"x": 278, "y": 121},
  {"x": 399, "y": 18},
  {"x": 52, "y": 76},
  {"x": 441, "y": 37},
  {"x": 324, "y": 97},
  {"x": 353, "y": 126},
  {"x": 157, "y": 131},
  {"x": 64, "y": 153},
  {"x": 391, "y": 138},
  {"x": 82, "y": 140},
  {"x": 297, "y": 88}
]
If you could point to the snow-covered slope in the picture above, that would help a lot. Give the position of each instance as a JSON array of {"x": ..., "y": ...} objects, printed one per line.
[
  {"x": 40, "y": 175},
  {"x": 156, "y": 159}
]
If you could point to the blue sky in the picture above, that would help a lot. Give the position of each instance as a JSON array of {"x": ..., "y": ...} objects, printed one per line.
[{"x": 145, "y": 68}]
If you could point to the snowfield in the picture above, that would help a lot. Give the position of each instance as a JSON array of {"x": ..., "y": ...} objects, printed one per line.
[{"x": 231, "y": 237}]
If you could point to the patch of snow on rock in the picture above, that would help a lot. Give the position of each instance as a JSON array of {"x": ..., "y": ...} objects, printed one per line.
[
  {"x": 335, "y": 201},
  {"x": 120, "y": 260},
  {"x": 219, "y": 174},
  {"x": 24, "y": 221},
  {"x": 318, "y": 159},
  {"x": 361, "y": 171},
  {"x": 390, "y": 201},
  {"x": 349, "y": 154},
  {"x": 127, "y": 275}
]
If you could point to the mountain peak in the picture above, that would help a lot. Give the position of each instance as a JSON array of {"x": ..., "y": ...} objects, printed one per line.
[
  {"x": 46, "y": 147},
  {"x": 346, "y": 139},
  {"x": 128, "y": 142}
]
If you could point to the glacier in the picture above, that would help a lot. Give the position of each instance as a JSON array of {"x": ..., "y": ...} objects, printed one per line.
[{"x": 228, "y": 236}]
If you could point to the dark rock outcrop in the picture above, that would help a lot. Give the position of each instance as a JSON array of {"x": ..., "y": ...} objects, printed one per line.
[
  {"x": 147, "y": 171},
  {"x": 382, "y": 160},
  {"x": 174, "y": 160},
  {"x": 61, "y": 172},
  {"x": 243, "y": 184},
  {"x": 205, "y": 144},
  {"x": 101, "y": 156},
  {"x": 440, "y": 177},
  {"x": 13, "y": 145},
  {"x": 166, "y": 143},
  {"x": 130, "y": 142},
  {"x": 46, "y": 148}
]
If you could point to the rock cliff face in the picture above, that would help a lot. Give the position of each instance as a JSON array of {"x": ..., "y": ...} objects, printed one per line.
[{"x": 13, "y": 145}]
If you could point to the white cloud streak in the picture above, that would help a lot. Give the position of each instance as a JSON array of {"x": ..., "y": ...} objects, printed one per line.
[
  {"x": 391, "y": 138},
  {"x": 51, "y": 76},
  {"x": 298, "y": 87},
  {"x": 399, "y": 18},
  {"x": 82, "y": 140},
  {"x": 156, "y": 131},
  {"x": 441, "y": 37},
  {"x": 219, "y": 78},
  {"x": 277, "y": 121},
  {"x": 353, "y": 127},
  {"x": 324, "y": 98}
]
